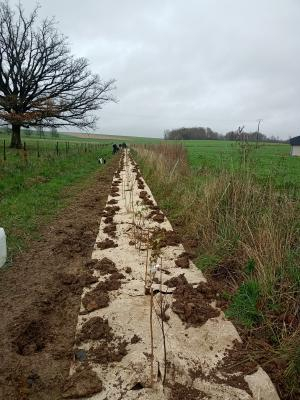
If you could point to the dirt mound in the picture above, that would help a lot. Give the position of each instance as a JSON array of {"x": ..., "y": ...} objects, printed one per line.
[
  {"x": 183, "y": 261},
  {"x": 162, "y": 238},
  {"x": 135, "y": 339},
  {"x": 111, "y": 230},
  {"x": 143, "y": 194},
  {"x": 192, "y": 306},
  {"x": 105, "y": 266},
  {"x": 106, "y": 244},
  {"x": 112, "y": 201},
  {"x": 96, "y": 328},
  {"x": 159, "y": 217},
  {"x": 110, "y": 211},
  {"x": 106, "y": 353},
  {"x": 98, "y": 297},
  {"x": 75, "y": 283},
  {"x": 83, "y": 383},
  {"x": 176, "y": 281},
  {"x": 140, "y": 183},
  {"x": 94, "y": 300},
  {"x": 108, "y": 220},
  {"x": 112, "y": 283},
  {"x": 114, "y": 190},
  {"x": 180, "y": 392}
]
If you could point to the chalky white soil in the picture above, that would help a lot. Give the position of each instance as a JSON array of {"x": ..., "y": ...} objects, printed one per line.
[{"x": 128, "y": 313}]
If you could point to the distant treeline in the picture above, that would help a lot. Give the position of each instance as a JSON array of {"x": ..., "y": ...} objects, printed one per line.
[{"x": 200, "y": 133}]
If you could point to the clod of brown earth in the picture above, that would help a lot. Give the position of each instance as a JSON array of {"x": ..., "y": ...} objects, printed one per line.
[
  {"x": 176, "y": 281},
  {"x": 108, "y": 220},
  {"x": 113, "y": 194},
  {"x": 114, "y": 189},
  {"x": 98, "y": 297},
  {"x": 135, "y": 339},
  {"x": 158, "y": 218},
  {"x": 112, "y": 201},
  {"x": 143, "y": 194},
  {"x": 148, "y": 202},
  {"x": 180, "y": 392},
  {"x": 95, "y": 328},
  {"x": 151, "y": 214},
  {"x": 106, "y": 244},
  {"x": 162, "y": 238},
  {"x": 191, "y": 306},
  {"x": 82, "y": 383},
  {"x": 105, "y": 266},
  {"x": 112, "y": 283},
  {"x": 95, "y": 299},
  {"x": 106, "y": 353},
  {"x": 182, "y": 261},
  {"x": 75, "y": 283},
  {"x": 153, "y": 207},
  {"x": 111, "y": 210},
  {"x": 128, "y": 270},
  {"x": 111, "y": 230}
]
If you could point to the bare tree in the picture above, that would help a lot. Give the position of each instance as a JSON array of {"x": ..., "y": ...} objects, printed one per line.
[{"x": 41, "y": 82}]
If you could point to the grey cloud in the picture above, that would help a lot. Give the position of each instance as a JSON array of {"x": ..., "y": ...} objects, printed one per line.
[{"x": 217, "y": 63}]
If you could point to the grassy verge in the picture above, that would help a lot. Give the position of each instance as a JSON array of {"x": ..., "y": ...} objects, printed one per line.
[
  {"x": 33, "y": 188},
  {"x": 248, "y": 236}
]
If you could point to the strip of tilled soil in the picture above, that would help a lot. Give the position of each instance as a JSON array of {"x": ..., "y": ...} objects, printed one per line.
[{"x": 40, "y": 298}]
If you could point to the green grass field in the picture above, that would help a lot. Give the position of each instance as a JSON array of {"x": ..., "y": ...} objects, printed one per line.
[{"x": 267, "y": 162}]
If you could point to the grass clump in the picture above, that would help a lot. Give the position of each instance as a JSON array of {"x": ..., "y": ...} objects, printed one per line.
[{"x": 244, "y": 305}]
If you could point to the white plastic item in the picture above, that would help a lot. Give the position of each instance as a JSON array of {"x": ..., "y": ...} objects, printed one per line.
[{"x": 3, "y": 251}]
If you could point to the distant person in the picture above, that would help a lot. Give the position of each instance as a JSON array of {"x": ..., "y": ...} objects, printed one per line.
[
  {"x": 115, "y": 148},
  {"x": 124, "y": 145}
]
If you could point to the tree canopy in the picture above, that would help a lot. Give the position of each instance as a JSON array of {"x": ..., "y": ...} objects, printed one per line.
[{"x": 41, "y": 82}]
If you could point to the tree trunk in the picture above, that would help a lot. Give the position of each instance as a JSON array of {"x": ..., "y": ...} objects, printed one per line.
[{"x": 16, "y": 137}]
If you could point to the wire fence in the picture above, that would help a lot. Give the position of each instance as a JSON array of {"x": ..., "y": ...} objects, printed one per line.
[{"x": 37, "y": 149}]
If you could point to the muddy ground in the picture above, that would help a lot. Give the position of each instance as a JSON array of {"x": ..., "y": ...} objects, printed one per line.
[{"x": 40, "y": 298}]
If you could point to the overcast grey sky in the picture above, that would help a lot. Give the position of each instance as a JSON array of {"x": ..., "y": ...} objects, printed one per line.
[{"x": 216, "y": 63}]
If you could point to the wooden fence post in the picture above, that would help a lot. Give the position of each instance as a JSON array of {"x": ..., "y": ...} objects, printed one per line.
[{"x": 4, "y": 151}]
